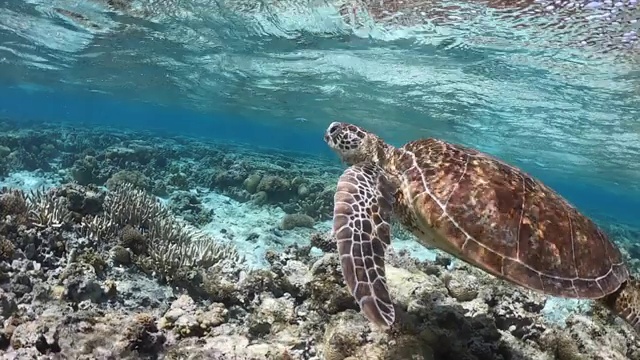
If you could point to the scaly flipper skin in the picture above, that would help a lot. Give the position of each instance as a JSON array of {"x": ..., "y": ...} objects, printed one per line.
[
  {"x": 363, "y": 204},
  {"x": 626, "y": 303}
]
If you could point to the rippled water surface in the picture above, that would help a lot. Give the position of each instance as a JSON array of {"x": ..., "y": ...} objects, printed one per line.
[{"x": 548, "y": 84}]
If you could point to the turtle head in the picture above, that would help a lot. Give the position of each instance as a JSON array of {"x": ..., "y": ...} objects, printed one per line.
[{"x": 352, "y": 143}]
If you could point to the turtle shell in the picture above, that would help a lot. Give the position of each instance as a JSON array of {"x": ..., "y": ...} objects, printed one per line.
[{"x": 497, "y": 217}]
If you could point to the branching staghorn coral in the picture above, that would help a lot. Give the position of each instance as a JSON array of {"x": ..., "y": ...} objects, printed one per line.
[
  {"x": 47, "y": 210},
  {"x": 124, "y": 206},
  {"x": 175, "y": 245},
  {"x": 99, "y": 228},
  {"x": 170, "y": 258},
  {"x": 171, "y": 245},
  {"x": 130, "y": 206},
  {"x": 41, "y": 208}
]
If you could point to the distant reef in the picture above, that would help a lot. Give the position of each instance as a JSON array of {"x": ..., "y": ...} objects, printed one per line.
[{"x": 298, "y": 183}]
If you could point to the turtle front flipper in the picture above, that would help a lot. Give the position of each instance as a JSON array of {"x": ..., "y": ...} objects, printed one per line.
[
  {"x": 625, "y": 303},
  {"x": 363, "y": 204}
]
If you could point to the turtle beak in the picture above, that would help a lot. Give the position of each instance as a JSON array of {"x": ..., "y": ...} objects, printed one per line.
[
  {"x": 328, "y": 138},
  {"x": 330, "y": 130}
]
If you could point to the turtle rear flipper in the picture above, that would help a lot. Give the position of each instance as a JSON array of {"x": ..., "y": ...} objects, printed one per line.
[
  {"x": 363, "y": 203},
  {"x": 625, "y": 303}
]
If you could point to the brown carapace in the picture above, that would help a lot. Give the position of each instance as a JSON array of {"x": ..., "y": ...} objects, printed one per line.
[{"x": 475, "y": 207}]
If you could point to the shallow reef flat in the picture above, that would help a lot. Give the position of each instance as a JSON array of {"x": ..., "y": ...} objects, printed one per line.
[
  {"x": 117, "y": 245},
  {"x": 257, "y": 198}
]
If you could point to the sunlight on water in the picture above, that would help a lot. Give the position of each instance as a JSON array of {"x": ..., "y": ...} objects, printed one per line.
[{"x": 550, "y": 83}]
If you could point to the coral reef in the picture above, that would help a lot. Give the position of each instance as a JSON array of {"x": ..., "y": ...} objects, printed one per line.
[
  {"x": 157, "y": 240},
  {"x": 162, "y": 165},
  {"x": 99, "y": 267},
  {"x": 80, "y": 286}
]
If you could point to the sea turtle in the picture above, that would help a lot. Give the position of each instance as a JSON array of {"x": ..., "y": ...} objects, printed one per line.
[{"x": 475, "y": 207}]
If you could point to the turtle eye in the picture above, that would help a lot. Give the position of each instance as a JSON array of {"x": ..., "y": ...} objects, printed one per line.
[{"x": 333, "y": 129}]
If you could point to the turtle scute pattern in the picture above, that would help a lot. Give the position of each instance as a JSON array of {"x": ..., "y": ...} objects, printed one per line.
[
  {"x": 499, "y": 218},
  {"x": 363, "y": 205}
]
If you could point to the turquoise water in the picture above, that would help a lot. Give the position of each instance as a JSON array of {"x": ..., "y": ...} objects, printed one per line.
[{"x": 552, "y": 88}]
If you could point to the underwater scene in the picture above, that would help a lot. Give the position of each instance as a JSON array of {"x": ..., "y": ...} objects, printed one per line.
[{"x": 320, "y": 179}]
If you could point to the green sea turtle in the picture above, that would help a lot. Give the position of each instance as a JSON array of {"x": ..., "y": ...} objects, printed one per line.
[{"x": 475, "y": 207}]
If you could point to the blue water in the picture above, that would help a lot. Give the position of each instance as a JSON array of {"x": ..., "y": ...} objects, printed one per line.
[
  {"x": 597, "y": 200},
  {"x": 553, "y": 90}
]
